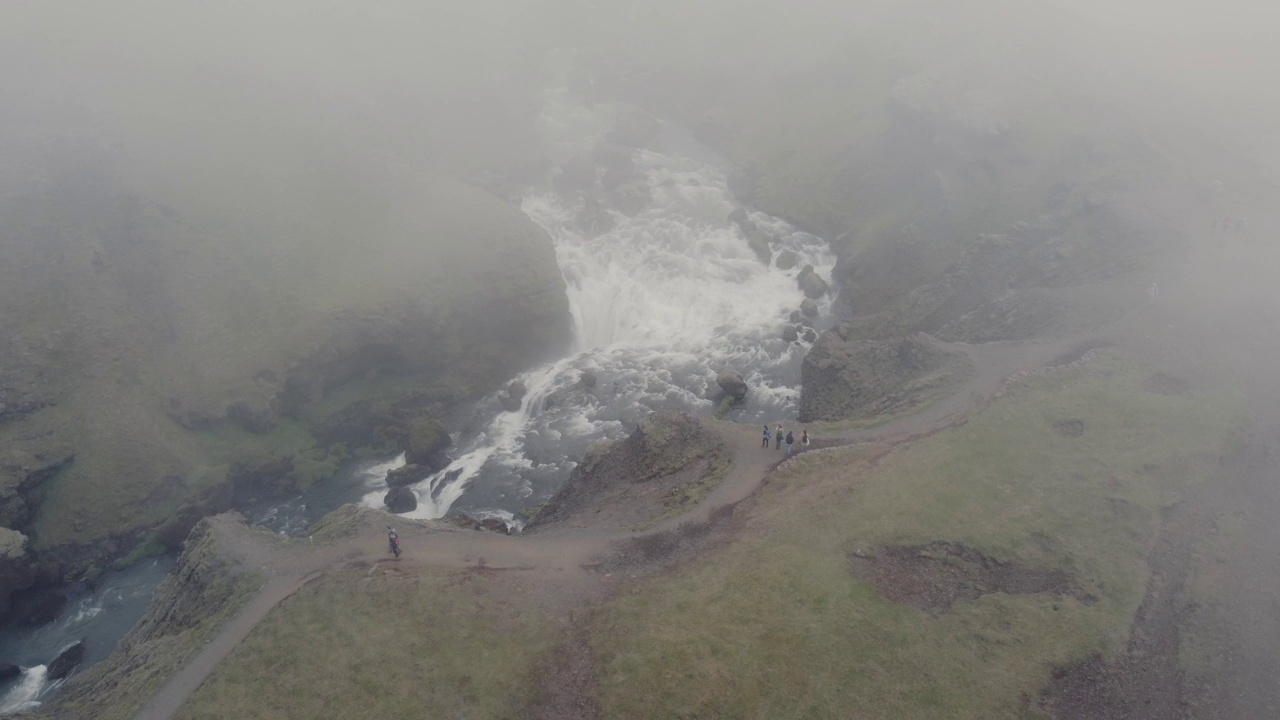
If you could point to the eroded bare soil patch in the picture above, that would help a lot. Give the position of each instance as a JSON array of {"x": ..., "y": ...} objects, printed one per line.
[
  {"x": 567, "y": 684},
  {"x": 937, "y": 575}
]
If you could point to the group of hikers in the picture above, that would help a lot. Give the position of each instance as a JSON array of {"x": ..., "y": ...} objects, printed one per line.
[{"x": 789, "y": 439}]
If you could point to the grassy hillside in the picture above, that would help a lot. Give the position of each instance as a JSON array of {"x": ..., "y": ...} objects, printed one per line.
[{"x": 1064, "y": 477}]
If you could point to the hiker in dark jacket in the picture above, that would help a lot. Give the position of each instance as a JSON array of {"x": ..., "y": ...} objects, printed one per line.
[
  {"x": 778, "y": 434},
  {"x": 791, "y": 439},
  {"x": 765, "y": 442}
]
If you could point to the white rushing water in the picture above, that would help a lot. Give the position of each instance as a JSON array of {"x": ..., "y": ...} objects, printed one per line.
[
  {"x": 24, "y": 695},
  {"x": 661, "y": 303}
]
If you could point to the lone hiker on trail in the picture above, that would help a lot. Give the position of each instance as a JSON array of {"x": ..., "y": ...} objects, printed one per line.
[
  {"x": 765, "y": 443},
  {"x": 791, "y": 439},
  {"x": 804, "y": 441},
  {"x": 777, "y": 434},
  {"x": 393, "y": 539}
]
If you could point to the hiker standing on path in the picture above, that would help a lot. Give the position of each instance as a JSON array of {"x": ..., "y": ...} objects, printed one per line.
[
  {"x": 765, "y": 443},
  {"x": 791, "y": 439},
  {"x": 778, "y": 435},
  {"x": 804, "y": 440}
]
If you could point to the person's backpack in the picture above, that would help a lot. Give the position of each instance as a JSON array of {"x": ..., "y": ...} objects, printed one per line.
[{"x": 790, "y": 438}]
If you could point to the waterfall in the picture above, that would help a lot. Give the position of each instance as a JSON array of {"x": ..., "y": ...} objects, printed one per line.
[{"x": 661, "y": 302}]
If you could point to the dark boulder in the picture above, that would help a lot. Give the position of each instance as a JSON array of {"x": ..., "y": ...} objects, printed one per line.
[
  {"x": 588, "y": 380},
  {"x": 787, "y": 259},
  {"x": 809, "y": 308},
  {"x": 428, "y": 439},
  {"x": 811, "y": 284},
  {"x": 738, "y": 217},
  {"x": 760, "y": 245},
  {"x": 790, "y": 333},
  {"x": 17, "y": 570},
  {"x": 795, "y": 317},
  {"x": 401, "y": 500},
  {"x": 66, "y": 661},
  {"x": 810, "y": 335},
  {"x": 512, "y": 399},
  {"x": 8, "y": 670},
  {"x": 408, "y": 475},
  {"x": 493, "y": 525},
  {"x": 733, "y": 384}
]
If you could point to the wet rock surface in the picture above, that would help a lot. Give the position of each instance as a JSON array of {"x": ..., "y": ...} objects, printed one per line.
[{"x": 67, "y": 661}]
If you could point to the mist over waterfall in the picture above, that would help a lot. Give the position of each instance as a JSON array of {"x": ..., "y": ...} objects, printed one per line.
[{"x": 662, "y": 301}]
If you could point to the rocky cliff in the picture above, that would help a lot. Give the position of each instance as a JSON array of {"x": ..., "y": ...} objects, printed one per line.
[{"x": 204, "y": 589}]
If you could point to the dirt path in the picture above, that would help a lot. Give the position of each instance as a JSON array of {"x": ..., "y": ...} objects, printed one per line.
[{"x": 567, "y": 551}]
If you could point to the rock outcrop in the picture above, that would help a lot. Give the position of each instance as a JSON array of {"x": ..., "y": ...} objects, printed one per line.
[
  {"x": 400, "y": 500},
  {"x": 669, "y": 463},
  {"x": 809, "y": 308},
  {"x": 407, "y": 475},
  {"x": 206, "y": 586},
  {"x": 733, "y": 384},
  {"x": 811, "y": 284},
  {"x": 760, "y": 244},
  {"x": 67, "y": 660},
  {"x": 428, "y": 441},
  {"x": 843, "y": 379},
  {"x": 16, "y": 569},
  {"x": 9, "y": 670},
  {"x": 787, "y": 259}
]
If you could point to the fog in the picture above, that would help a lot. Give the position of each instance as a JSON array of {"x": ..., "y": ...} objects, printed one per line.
[
  {"x": 449, "y": 82},
  {"x": 305, "y": 230}
]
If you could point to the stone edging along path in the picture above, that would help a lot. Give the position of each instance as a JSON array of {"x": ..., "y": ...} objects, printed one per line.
[{"x": 569, "y": 552}]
